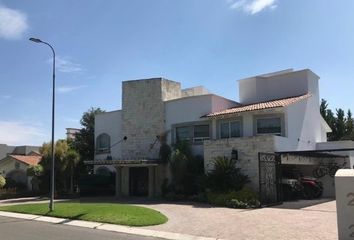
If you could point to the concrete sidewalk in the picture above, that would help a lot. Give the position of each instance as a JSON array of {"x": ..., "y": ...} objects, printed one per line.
[{"x": 107, "y": 227}]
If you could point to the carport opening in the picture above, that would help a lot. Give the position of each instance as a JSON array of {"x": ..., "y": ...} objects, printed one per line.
[{"x": 309, "y": 175}]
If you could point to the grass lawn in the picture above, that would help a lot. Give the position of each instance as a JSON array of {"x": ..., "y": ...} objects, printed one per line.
[{"x": 122, "y": 214}]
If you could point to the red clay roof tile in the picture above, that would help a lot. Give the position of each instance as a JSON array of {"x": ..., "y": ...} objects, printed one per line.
[
  {"x": 261, "y": 105},
  {"x": 30, "y": 160}
]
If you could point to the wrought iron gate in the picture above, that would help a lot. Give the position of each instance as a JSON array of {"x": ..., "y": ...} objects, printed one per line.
[{"x": 269, "y": 179}]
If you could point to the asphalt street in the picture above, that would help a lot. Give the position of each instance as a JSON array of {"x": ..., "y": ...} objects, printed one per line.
[{"x": 20, "y": 229}]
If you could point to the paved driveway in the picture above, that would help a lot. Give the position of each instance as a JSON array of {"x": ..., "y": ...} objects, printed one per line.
[{"x": 306, "y": 219}]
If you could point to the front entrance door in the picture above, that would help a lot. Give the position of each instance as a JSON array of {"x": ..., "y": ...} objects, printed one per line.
[{"x": 138, "y": 181}]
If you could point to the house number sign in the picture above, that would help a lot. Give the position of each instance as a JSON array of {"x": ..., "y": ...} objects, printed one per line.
[{"x": 344, "y": 181}]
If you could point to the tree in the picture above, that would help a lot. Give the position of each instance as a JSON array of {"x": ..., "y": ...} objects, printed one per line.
[
  {"x": 35, "y": 170},
  {"x": 187, "y": 170},
  {"x": 323, "y": 108},
  {"x": 339, "y": 129},
  {"x": 2, "y": 182},
  {"x": 66, "y": 159},
  {"x": 349, "y": 127},
  {"x": 342, "y": 127},
  {"x": 84, "y": 142},
  {"x": 328, "y": 116},
  {"x": 72, "y": 159}
]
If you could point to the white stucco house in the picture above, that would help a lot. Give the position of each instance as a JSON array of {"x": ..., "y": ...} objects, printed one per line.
[{"x": 275, "y": 122}]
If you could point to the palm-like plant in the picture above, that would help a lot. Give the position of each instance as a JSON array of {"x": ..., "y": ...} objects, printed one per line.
[
  {"x": 72, "y": 158},
  {"x": 225, "y": 176}
]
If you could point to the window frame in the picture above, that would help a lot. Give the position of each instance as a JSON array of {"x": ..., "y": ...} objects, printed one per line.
[
  {"x": 191, "y": 125},
  {"x": 105, "y": 149},
  {"x": 275, "y": 116},
  {"x": 229, "y": 122}
]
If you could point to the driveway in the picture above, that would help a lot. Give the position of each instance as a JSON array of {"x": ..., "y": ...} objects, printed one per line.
[{"x": 306, "y": 219}]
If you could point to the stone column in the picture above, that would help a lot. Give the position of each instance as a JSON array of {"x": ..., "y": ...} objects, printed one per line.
[
  {"x": 118, "y": 181},
  {"x": 151, "y": 181},
  {"x": 344, "y": 181}
]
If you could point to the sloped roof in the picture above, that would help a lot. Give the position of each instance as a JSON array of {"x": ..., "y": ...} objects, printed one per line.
[
  {"x": 30, "y": 160},
  {"x": 260, "y": 105}
]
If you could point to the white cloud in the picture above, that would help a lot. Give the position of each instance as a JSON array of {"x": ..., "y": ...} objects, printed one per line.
[
  {"x": 252, "y": 6},
  {"x": 5, "y": 96},
  {"x": 66, "y": 89},
  {"x": 13, "y": 23},
  {"x": 20, "y": 133},
  {"x": 71, "y": 120},
  {"x": 64, "y": 64}
]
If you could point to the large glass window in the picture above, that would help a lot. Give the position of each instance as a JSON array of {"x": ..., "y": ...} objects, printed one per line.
[
  {"x": 103, "y": 143},
  {"x": 193, "y": 133},
  {"x": 201, "y": 133},
  {"x": 269, "y": 126},
  {"x": 230, "y": 129},
  {"x": 183, "y": 133},
  {"x": 235, "y": 129},
  {"x": 224, "y": 130}
]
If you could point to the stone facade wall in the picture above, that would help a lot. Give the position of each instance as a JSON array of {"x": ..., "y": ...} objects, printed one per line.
[
  {"x": 143, "y": 115},
  {"x": 247, "y": 148}
]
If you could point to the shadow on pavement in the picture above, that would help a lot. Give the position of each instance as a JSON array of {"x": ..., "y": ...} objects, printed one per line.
[
  {"x": 142, "y": 200},
  {"x": 299, "y": 204}
]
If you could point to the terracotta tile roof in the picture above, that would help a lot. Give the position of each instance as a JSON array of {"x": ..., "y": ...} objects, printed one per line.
[
  {"x": 30, "y": 160},
  {"x": 261, "y": 105}
]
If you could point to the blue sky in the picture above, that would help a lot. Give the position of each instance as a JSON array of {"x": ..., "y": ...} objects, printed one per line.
[{"x": 213, "y": 43}]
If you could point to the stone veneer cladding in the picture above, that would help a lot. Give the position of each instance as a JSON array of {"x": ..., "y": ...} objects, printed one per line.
[
  {"x": 247, "y": 148},
  {"x": 143, "y": 114}
]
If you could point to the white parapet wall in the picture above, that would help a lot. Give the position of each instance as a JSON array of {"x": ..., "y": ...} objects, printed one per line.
[{"x": 344, "y": 181}]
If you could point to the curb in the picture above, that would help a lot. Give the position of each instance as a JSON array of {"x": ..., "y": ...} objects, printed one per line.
[{"x": 107, "y": 227}]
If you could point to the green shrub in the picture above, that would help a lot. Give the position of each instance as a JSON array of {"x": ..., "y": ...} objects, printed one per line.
[
  {"x": 165, "y": 152},
  {"x": 245, "y": 198},
  {"x": 2, "y": 181},
  {"x": 187, "y": 172},
  {"x": 35, "y": 171},
  {"x": 225, "y": 176}
]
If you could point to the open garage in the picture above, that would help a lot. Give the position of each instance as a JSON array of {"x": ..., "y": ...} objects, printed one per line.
[{"x": 313, "y": 171}]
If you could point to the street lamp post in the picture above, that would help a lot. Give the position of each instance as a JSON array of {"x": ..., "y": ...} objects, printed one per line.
[{"x": 52, "y": 186}]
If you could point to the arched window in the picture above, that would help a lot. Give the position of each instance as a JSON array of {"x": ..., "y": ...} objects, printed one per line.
[{"x": 103, "y": 143}]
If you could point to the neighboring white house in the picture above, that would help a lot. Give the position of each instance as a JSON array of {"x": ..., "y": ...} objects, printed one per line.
[{"x": 277, "y": 114}]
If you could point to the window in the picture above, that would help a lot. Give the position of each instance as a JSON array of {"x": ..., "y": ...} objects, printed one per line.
[
  {"x": 194, "y": 133},
  {"x": 230, "y": 129},
  {"x": 183, "y": 133},
  {"x": 201, "y": 133},
  {"x": 103, "y": 143},
  {"x": 269, "y": 126}
]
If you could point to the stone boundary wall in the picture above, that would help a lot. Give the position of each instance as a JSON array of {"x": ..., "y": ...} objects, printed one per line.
[{"x": 247, "y": 148}]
